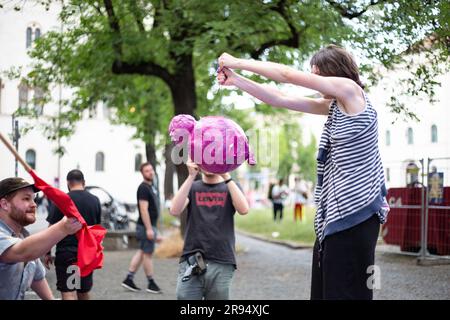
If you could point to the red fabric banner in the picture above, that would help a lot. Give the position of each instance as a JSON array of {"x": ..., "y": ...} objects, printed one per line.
[{"x": 90, "y": 249}]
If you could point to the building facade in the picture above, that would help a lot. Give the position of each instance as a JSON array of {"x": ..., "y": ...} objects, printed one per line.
[
  {"x": 107, "y": 154},
  {"x": 405, "y": 142},
  {"x": 410, "y": 149}
]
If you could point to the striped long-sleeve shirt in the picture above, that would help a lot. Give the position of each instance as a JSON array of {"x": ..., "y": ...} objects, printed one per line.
[{"x": 350, "y": 187}]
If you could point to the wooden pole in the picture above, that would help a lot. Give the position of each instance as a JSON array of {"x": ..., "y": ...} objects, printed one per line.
[{"x": 15, "y": 153}]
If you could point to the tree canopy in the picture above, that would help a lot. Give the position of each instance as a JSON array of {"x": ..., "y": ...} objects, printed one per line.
[{"x": 151, "y": 59}]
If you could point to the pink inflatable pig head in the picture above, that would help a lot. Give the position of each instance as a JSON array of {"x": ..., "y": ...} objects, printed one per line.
[{"x": 216, "y": 144}]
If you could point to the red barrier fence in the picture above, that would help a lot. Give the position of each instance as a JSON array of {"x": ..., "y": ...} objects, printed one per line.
[{"x": 404, "y": 224}]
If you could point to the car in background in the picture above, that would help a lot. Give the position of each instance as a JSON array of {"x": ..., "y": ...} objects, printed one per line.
[{"x": 116, "y": 215}]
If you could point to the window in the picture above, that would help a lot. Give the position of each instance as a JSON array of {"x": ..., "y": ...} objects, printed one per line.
[
  {"x": 32, "y": 34},
  {"x": 100, "y": 161},
  {"x": 39, "y": 100},
  {"x": 37, "y": 34},
  {"x": 388, "y": 138},
  {"x": 29, "y": 35},
  {"x": 23, "y": 95},
  {"x": 30, "y": 158},
  {"x": 92, "y": 112},
  {"x": 434, "y": 134},
  {"x": 410, "y": 136},
  {"x": 412, "y": 175},
  {"x": 137, "y": 162},
  {"x": 388, "y": 174}
]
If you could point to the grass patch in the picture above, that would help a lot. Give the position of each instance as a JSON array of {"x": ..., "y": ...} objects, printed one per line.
[
  {"x": 257, "y": 221},
  {"x": 260, "y": 222},
  {"x": 166, "y": 220}
]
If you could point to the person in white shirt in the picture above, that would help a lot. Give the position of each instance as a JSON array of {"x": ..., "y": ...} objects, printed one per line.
[{"x": 279, "y": 194}]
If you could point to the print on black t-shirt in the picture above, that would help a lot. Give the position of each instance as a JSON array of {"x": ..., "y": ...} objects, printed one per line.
[{"x": 209, "y": 199}]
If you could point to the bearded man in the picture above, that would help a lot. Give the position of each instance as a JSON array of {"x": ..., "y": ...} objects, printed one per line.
[{"x": 20, "y": 265}]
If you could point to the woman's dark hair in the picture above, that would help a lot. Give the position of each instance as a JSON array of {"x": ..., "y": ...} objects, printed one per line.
[{"x": 334, "y": 61}]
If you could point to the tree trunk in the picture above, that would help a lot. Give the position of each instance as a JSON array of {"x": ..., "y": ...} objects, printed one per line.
[
  {"x": 168, "y": 174},
  {"x": 185, "y": 102},
  {"x": 150, "y": 152}
]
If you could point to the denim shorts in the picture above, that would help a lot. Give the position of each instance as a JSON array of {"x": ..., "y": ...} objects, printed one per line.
[{"x": 148, "y": 246}]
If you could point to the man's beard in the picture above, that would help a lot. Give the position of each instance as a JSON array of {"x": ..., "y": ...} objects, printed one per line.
[{"x": 23, "y": 218}]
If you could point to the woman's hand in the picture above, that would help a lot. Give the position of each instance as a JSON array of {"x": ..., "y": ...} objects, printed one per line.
[
  {"x": 227, "y": 61},
  {"x": 226, "y": 77}
]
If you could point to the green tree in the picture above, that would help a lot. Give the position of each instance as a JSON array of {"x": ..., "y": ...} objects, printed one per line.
[
  {"x": 173, "y": 45},
  {"x": 395, "y": 35},
  {"x": 293, "y": 153},
  {"x": 288, "y": 140},
  {"x": 306, "y": 159},
  {"x": 170, "y": 45}
]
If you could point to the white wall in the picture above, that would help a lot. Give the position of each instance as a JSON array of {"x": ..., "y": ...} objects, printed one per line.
[
  {"x": 397, "y": 156},
  {"x": 91, "y": 136},
  {"x": 399, "y": 153}
]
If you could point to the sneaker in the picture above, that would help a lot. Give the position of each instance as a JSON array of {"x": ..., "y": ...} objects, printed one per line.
[
  {"x": 129, "y": 284},
  {"x": 153, "y": 287}
]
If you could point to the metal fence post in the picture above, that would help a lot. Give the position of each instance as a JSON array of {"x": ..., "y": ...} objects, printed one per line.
[
  {"x": 422, "y": 214},
  {"x": 425, "y": 234},
  {"x": 15, "y": 138}
]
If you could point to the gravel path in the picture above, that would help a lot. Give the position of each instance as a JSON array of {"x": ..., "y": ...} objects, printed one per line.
[{"x": 269, "y": 271}]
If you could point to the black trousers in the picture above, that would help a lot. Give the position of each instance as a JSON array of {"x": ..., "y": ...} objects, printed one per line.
[
  {"x": 340, "y": 270},
  {"x": 278, "y": 207}
]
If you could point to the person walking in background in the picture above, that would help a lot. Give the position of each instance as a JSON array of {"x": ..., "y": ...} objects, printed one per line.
[
  {"x": 146, "y": 231},
  {"x": 279, "y": 194},
  {"x": 269, "y": 193},
  {"x": 300, "y": 197},
  {"x": 67, "y": 249}
]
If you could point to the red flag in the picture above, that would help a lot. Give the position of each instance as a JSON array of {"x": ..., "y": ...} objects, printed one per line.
[{"x": 90, "y": 249}]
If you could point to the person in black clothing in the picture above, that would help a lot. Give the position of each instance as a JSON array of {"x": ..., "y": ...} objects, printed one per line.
[
  {"x": 146, "y": 231},
  {"x": 211, "y": 204},
  {"x": 66, "y": 250}
]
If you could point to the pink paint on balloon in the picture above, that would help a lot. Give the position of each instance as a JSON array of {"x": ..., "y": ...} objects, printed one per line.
[{"x": 216, "y": 144}]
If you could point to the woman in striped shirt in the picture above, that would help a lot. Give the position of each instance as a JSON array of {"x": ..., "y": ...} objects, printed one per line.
[{"x": 350, "y": 192}]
